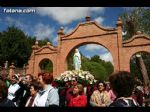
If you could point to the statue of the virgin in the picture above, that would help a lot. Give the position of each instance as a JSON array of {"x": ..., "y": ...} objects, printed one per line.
[{"x": 77, "y": 60}]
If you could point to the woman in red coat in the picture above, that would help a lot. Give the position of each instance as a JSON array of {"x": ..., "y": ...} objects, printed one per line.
[{"x": 79, "y": 99}]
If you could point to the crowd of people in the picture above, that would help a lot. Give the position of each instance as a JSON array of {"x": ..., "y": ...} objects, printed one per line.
[{"x": 25, "y": 91}]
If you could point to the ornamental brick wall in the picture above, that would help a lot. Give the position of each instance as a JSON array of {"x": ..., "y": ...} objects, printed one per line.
[{"x": 86, "y": 33}]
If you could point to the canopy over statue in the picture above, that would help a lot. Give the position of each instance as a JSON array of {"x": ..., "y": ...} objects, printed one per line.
[{"x": 77, "y": 60}]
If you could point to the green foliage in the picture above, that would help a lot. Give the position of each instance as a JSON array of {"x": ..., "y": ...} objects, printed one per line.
[
  {"x": 109, "y": 68},
  {"x": 134, "y": 65},
  {"x": 146, "y": 21},
  {"x": 96, "y": 66},
  {"x": 44, "y": 42},
  {"x": 31, "y": 40},
  {"x": 136, "y": 20},
  {"x": 135, "y": 70},
  {"x": 46, "y": 65},
  {"x": 70, "y": 61},
  {"x": 14, "y": 46},
  {"x": 107, "y": 65},
  {"x": 96, "y": 69}
]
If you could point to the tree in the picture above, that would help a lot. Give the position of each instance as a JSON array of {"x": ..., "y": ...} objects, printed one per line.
[
  {"x": 96, "y": 69},
  {"x": 31, "y": 40},
  {"x": 44, "y": 42},
  {"x": 96, "y": 58},
  {"x": 46, "y": 65},
  {"x": 134, "y": 65},
  {"x": 135, "y": 20},
  {"x": 70, "y": 61},
  {"x": 109, "y": 68},
  {"x": 14, "y": 46},
  {"x": 107, "y": 65}
]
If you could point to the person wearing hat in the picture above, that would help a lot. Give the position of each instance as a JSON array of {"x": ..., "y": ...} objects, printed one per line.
[{"x": 13, "y": 87}]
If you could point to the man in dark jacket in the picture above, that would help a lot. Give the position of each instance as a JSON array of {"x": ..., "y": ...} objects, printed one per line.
[{"x": 24, "y": 92}]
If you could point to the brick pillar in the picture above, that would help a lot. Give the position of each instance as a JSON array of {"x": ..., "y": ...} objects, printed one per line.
[
  {"x": 32, "y": 61},
  {"x": 11, "y": 70},
  {"x": 119, "y": 43},
  {"x": 60, "y": 34}
]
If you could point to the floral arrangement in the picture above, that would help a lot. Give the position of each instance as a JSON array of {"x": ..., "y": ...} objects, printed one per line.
[{"x": 80, "y": 75}]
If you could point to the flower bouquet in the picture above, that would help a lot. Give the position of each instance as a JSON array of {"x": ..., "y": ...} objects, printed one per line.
[{"x": 82, "y": 76}]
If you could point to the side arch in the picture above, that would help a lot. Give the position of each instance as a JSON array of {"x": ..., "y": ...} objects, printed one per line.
[
  {"x": 45, "y": 65},
  {"x": 128, "y": 53}
]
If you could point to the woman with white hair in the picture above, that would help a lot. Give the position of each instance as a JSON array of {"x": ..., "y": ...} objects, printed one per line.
[{"x": 77, "y": 60}]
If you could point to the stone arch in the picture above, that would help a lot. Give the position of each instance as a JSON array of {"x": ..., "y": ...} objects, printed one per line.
[{"x": 143, "y": 51}]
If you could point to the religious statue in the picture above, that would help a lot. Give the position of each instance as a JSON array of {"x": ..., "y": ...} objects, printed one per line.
[{"x": 77, "y": 60}]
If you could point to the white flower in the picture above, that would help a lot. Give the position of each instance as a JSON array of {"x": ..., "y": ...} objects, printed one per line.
[
  {"x": 69, "y": 78},
  {"x": 95, "y": 80},
  {"x": 70, "y": 75},
  {"x": 86, "y": 77},
  {"x": 82, "y": 76}
]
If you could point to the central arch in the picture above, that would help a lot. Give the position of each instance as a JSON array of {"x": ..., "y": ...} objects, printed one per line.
[
  {"x": 85, "y": 43},
  {"x": 89, "y": 32}
]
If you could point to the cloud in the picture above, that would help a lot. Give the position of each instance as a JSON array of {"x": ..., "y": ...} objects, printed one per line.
[
  {"x": 39, "y": 30},
  {"x": 107, "y": 57},
  {"x": 88, "y": 56},
  {"x": 55, "y": 40},
  {"x": 129, "y": 8},
  {"x": 12, "y": 21},
  {"x": 100, "y": 20},
  {"x": 93, "y": 47},
  {"x": 68, "y": 30},
  {"x": 42, "y": 31},
  {"x": 65, "y": 15},
  {"x": 18, "y": 23}
]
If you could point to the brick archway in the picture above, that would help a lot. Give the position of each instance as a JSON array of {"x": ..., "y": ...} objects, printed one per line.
[
  {"x": 89, "y": 32},
  {"x": 82, "y": 44},
  {"x": 41, "y": 63},
  {"x": 38, "y": 54},
  {"x": 138, "y": 43}
]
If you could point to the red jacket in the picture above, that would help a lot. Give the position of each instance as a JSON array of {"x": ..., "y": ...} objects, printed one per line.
[
  {"x": 69, "y": 95},
  {"x": 80, "y": 101}
]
